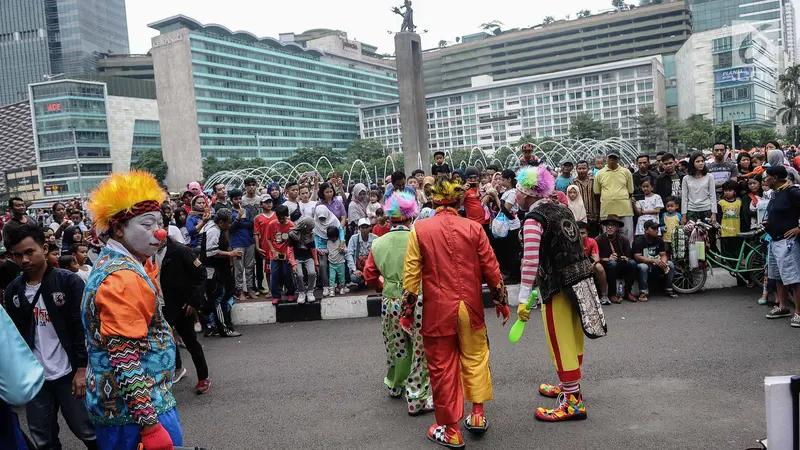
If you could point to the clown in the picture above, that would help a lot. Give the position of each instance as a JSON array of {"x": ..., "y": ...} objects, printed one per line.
[
  {"x": 405, "y": 357},
  {"x": 554, "y": 259},
  {"x": 451, "y": 256},
  {"x": 130, "y": 346}
]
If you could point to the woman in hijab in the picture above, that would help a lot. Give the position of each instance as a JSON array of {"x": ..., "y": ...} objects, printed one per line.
[
  {"x": 775, "y": 158},
  {"x": 576, "y": 203},
  {"x": 324, "y": 218},
  {"x": 274, "y": 190},
  {"x": 357, "y": 209},
  {"x": 301, "y": 240}
]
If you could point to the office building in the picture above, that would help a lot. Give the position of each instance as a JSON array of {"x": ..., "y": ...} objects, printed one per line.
[
  {"x": 127, "y": 66},
  {"x": 774, "y": 18},
  {"x": 43, "y": 38},
  {"x": 230, "y": 94},
  {"x": 20, "y": 178},
  {"x": 729, "y": 74},
  {"x": 603, "y": 38},
  {"x": 492, "y": 114},
  {"x": 91, "y": 123}
]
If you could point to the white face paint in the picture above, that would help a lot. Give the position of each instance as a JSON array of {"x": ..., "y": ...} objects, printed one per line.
[{"x": 139, "y": 236}]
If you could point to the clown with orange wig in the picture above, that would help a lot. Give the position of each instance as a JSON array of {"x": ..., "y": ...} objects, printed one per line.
[
  {"x": 407, "y": 370},
  {"x": 450, "y": 257},
  {"x": 130, "y": 346},
  {"x": 553, "y": 259}
]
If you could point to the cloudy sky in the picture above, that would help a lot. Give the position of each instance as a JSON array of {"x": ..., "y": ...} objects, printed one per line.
[{"x": 363, "y": 20}]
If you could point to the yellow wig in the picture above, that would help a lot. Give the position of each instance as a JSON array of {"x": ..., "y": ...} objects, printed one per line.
[
  {"x": 122, "y": 195},
  {"x": 446, "y": 192}
]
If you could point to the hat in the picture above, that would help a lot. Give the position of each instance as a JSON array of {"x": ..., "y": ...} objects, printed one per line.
[
  {"x": 650, "y": 224},
  {"x": 613, "y": 219},
  {"x": 401, "y": 207},
  {"x": 364, "y": 222},
  {"x": 613, "y": 154},
  {"x": 123, "y": 196},
  {"x": 438, "y": 152},
  {"x": 183, "y": 194},
  {"x": 267, "y": 198},
  {"x": 535, "y": 181},
  {"x": 428, "y": 180}
]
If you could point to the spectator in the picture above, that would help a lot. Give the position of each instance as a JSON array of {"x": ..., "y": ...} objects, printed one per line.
[
  {"x": 698, "y": 192},
  {"x": 357, "y": 209},
  {"x": 457, "y": 177},
  {"x": 18, "y": 217},
  {"x": 53, "y": 254},
  {"x": 215, "y": 254},
  {"x": 80, "y": 252},
  {"x": 642, "y": 173},
  {"x": 527, "y": 156},
  {"x": 180, "y": 222},
  {"x": 419, "y": 174},
  {"x": 398, "y": 184},
  {"x": 292, "y": 196},
  {"x": 373, "y": 206},
  {"x": 614, "y": 185},
  {"x": 427, "y": 188},
  {"x": 304, "y": 256},
  {"x": 242, "y": 237},
  {"x": 743, "y": 164},
  {"x": 783, "y": 216},
  {"x": 280, "y": 266},
  {"x": 651, "y": 256},
  {"x": 68, "y": 262},
  {"x": 565, "y": 178},
  {"x": 439, "y": 166},
  {"x": 196, "y": 189},
  {"x": 44, "y": 304},
  {"x": 473, "y": 205},
  {"x": 186, "y": 201},
  {"x": 173, "y": 232},
  {"x": 60, "y": 222},
  {"x": 659, "y": 157},
  {"x": 8, "y": 270},
  {"x": 776, "y": 158},
  {"x": 198, "y": 219},
  {"x": 358, "y": 250},
  {"x": 323, "y": 218},
  {"x": 591, "y": 201},
  {"x": 221, "y": 197},
  {"x": 274, "y": 191},
  {"x": 616, "y": 258},
  {"x": 668, "y": 184},
  {"x": 670, "y": 221},
  {"x": 260, "y": 235},
  {"x": 509, "y": 248},
  {"x": 647, "y": 208},
  {"x": 336, "y": 260},
  {"x": 751, "y": 219},
  {"x": 382, "y": 226},
  {"x": 593, "y": 252},
  {"x": 599, "y": 163},
  {"x": 334, "y": 205},
  {"x": 721, "y": 169},
  {"x": 306, "y": 205},
  {"x": 576, "y": 203}
]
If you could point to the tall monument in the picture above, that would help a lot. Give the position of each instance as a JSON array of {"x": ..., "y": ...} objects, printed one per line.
[{"x": 413, "y": 116}]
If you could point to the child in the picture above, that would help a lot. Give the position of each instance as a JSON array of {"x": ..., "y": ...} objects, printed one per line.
[
  {"x": 336, "y": 258},
  {"x": 576, "y": 203},
  {"x": 53, "y": 252},
  {"x": 439, "y": 167},
  {"x": 279, "y": 264},
  {"x": 729, "y": 210},
  {"x": 67, "y": 262},
  {"x": 303, "y": 254},
  {"x": 670, "y": 221},
  {"x": 382, "y": 226},
  {"x": 260, "y": 231},
  {"x": 373, "y": 206},
  {"x": 647, "y": 208},
  {"x": 80, "y": 252}
]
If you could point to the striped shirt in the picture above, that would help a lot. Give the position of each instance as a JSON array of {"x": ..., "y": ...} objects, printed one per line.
[{"x": 532, "y": 238}]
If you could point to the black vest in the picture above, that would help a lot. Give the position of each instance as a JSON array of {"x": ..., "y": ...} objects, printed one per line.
[{"x": 562, "y": 260}]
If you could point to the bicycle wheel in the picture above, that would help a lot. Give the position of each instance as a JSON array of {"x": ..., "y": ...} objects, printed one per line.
[
  {"x": 688, "y": 280},
  {"x": 758, "y": 261}
]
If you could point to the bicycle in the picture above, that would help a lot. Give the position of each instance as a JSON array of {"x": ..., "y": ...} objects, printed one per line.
[{"x": 752, "y": 253}]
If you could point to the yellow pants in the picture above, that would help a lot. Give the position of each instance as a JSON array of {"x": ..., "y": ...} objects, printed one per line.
[
  {"x": 562, "y": 325},
  {"x": 455, "y": 360}
]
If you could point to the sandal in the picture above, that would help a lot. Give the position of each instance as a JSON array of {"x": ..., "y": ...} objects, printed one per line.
[
  {"x": 671, "y": 294},
  {"x": 642, "y": 297}
]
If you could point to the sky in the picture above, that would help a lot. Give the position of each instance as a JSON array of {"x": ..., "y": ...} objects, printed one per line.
[{"x": 366, "y": 21}]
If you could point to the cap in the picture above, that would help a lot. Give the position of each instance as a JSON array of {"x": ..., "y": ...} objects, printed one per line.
[
  {"x": 471, "y": 172},
  {"x": 363, "y": 222},
  {"x": 613, "y": 154},
  {"x": 266, "y": 198},
  {"x": 567, "y": 163},
  {"x": 650, "y": 224}
]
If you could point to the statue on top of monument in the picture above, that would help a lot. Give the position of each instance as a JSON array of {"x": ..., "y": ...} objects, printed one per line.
[{"x": 408, "y": 17}]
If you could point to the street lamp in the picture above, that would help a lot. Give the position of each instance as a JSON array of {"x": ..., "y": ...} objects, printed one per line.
[{"x": 77, "y": 160}]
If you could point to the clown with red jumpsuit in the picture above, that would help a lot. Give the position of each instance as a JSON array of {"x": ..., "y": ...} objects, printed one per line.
[{"x": 451, "y": 256}]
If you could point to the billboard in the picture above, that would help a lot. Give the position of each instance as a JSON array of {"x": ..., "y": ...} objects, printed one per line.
[{"x": 733, "y": 75}]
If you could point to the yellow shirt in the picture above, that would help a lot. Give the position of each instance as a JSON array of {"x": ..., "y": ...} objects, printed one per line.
[
  {"x": 615, "y": 188},
  {"x": 730, "y": 217}
]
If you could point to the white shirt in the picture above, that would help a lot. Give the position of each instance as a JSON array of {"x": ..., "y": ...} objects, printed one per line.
[
  {"x": 55, "y": 226},
  {"x": 510, "y": 197},
  {"x": 292, "y": 206},
  {"x": 84, "y": 274},
  {"x": 306, "y": 209},
  {"x": 47, "y": 347},
  {"x": 176, "y": 235}
]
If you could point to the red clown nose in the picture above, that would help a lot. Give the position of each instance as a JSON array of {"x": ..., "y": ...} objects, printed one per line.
[{"x": 160, "y": 234}]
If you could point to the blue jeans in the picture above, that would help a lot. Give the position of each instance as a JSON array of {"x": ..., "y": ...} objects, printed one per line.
[
  {"x": 281, "y": 274},
  {"x": 619, "y": 269},
  {"x": 644, "y": 274}
]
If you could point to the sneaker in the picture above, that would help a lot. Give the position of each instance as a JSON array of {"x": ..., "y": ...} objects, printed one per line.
[
  {"x": 203, "y": 386},
  {"x": 569, "y": 407},
  {"x": 778, "y": 313},
  {"x": 310, "y": 297},
  {"x": 233, "y": 333},
  {"x": 762, "y": 301},
  {"x": 290, "y": 298},
  {"x": 604, "y": 300},
  {"x": 550, "y": 390},
  {"x": 325, "y": 291},
  {"x": 179, "y": 374},
  {"x": 275, "y": 301},
  {"x": 343, "y": 290},
  {"x": 211, "y": 332},
  {"x": 795, "y": 320},
  {"x": 440, "y": 435},
  {"x": 476, "y": 423},
  {"x": 197, "y": 327},
  {"x": 263, "y": 291},
  {"x": 331, "y": 292},
  {"x": 301, "y": 297}
]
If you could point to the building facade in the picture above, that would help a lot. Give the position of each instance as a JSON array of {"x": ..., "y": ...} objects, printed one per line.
[
  {"x": 230, "y": 94},
  {"x": 81, "y": 122},
  {"x": 20, "y": 178},
  {"x": 40, "y": 38},
  {"x": 492, "y": 113},
  {"x": 603, "y": 38},
  {"x": 127, "y": 66},
  {"x": 729, "y": 74}
]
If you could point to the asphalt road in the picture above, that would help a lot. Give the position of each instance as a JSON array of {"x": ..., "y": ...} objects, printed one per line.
[{"x": 671, "y": 374}]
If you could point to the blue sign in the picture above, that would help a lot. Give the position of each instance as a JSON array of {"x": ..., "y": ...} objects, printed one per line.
[{"x": 733, "y": 75}]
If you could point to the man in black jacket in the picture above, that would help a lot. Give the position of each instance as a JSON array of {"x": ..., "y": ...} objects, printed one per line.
[
  {"x": 668, "y": 183},
  {"x": 45, "y": 305},
  {"x": 183, "y": 283}
]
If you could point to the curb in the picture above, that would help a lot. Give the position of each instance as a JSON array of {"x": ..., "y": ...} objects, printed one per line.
[{"x": 358, "y": 306}]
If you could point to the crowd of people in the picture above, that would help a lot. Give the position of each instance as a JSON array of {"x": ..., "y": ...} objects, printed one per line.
[{"x": 211, "y": 246}]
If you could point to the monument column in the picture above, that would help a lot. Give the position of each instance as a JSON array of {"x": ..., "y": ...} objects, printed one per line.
[{"x": 413, "y": 114}]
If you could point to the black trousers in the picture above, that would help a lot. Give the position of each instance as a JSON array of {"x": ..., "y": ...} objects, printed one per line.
[
  {"x": 259, "y": 271},
  {"x": 42, "y": 414},
  {"x": 184, "y": 326},
  {"x": 220, "y": 287}
]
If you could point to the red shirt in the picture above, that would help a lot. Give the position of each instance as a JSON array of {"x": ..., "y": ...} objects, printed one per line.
[
  {"x": 260, "y": 228},
  {"x": 278, "y": 235},
  {"x": 379, "y": 231},
  {"x": 474, "y": 207},
  {"x": 590, "y": 247}
]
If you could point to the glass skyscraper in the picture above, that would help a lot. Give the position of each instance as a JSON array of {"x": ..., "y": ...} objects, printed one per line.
[{"x": 41, "y": 38}]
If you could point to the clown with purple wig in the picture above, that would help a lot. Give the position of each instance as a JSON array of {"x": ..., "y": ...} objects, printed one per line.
[{"x": 407, "y": 369}]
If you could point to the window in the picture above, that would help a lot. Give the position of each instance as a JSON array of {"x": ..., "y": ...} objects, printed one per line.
[
  {"x": 575, "y": 82},
  {"x": 723, "y": 60},
  {"x": 611, "y": 90},
  {"x": 743, "y": 93}
]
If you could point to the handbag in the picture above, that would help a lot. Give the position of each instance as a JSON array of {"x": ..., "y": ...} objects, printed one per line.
[{"x": 500, "y": 226}]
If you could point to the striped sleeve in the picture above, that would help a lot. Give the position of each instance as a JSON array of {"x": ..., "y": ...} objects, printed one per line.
[{"x": 532, "y": 237}]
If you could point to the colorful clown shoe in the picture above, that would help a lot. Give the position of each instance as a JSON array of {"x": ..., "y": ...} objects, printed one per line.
[
  {"x": 570, "y": 407},
  {"x": 550, "y": 390},
  {"x": 447, "y": 438},
  {"x": 476, "y": 423}
]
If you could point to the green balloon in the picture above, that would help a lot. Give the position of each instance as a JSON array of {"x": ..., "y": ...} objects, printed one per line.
[{"x": 519, "y": 326}]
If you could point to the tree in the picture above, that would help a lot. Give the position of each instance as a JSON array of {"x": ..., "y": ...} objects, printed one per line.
[
  {"x": 584, "y": 13},
  {"x": 619, "y": 5},
  {"x": 493, "y": 26},
  {"x": 311, "y": 155},
  {"x": 675, "y": 131},
  {"x": 152, "y": 160},
  {"x": 443, "y": 43},
  {"x": 789, "y": 82},
  {"x": 584, "y": 126},
  {"x": 610, "y": 130},
  {"x": 526, "y": 139},
  {"x": 651, "y": 128},
  {"x": 792, "y": 136},
  {"x": 789, "y": 113},
  {"x": 548, "y": 20}
]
